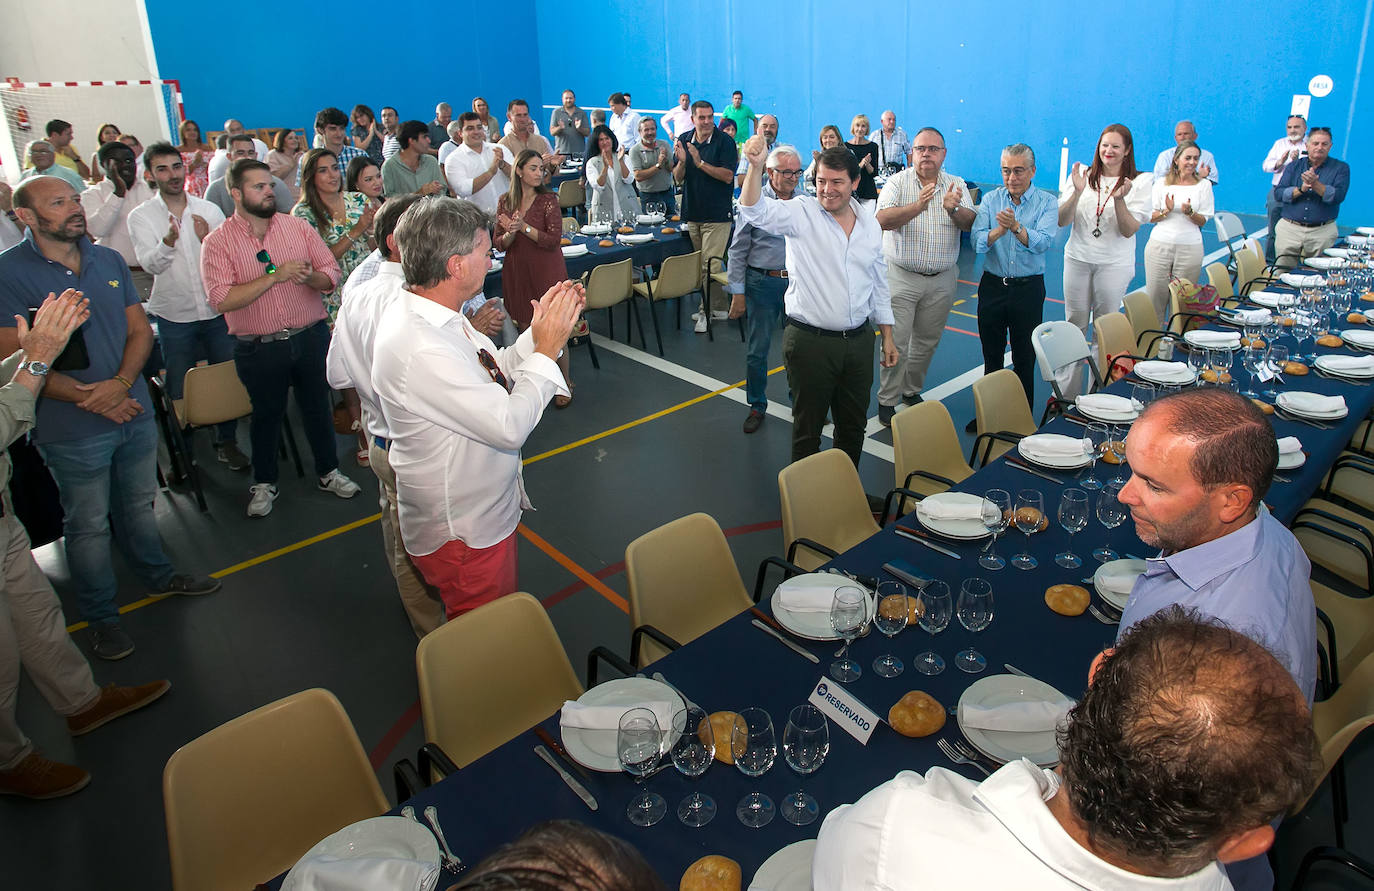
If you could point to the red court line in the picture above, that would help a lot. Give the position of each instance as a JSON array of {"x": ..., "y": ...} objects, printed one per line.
[
  {"x": 393, "y": 737},
  {"x": 960, "y": 330}
]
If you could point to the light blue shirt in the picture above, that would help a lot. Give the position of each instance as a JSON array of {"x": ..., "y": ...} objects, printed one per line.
[
  {"x": 1255, "y": 580},
  {"x": 754, "y": 247},
  {"x": 1007, "y": 257},
  {"x": 1205, "y": 159}
]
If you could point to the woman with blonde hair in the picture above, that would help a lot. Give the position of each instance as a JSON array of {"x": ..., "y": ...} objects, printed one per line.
[
  {"x": 1182, "y": 204},
  {"x": 489, "y": 121},
  {"x": 865, "y": 151}
]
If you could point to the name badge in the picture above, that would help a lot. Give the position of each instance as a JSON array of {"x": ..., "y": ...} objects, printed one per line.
[{"x": 845, "y": 709}]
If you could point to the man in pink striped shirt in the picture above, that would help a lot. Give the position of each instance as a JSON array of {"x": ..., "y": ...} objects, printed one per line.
[{"x": 265, "y": 271}]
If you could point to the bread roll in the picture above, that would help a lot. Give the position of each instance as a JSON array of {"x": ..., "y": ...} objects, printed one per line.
[
  {"x": 1210, "y": 376},
  {"x": 1067, "y": 600},
  {"x": 626, "y": 230},
  {"x": 669, "y": 230},
  {"x": 565, "y": 241},
  {"x": 1356, "y": 318},
  {"x": 712, "y": 873},
  {"x": 1256, "y": 342},
  {"x": 1286, "y": 321},
  {"x": 1263, "y": 406},
  {"x": 916, "y": 714},
  {"x": 1330, "y": 340},
  {"x": 1294, "y": 368},
  {"x": 606, "y": 242},
  {"x": 1044, "y": 524},
  {"x": 1109, "y": 450},
  {"x": 722, "y": 726}
]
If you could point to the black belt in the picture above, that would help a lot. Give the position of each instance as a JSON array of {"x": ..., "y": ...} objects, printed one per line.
[
  {"x": 1009, "y": 280},
  {"x": 283, "y": 334},
  {"x": 383, "y": 444},
  {"x": 772, "y": 273},
  {"x": 826, "y": 332},
  {"x": 1307, "y": 225}
]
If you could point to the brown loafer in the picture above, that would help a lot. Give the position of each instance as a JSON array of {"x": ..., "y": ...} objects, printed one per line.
[{"x": 115, "y": 702}]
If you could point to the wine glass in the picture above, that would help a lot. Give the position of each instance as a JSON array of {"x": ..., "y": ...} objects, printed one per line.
[
  {"x": 848, "y": 613},
  {"x": 1073, "y": 516},
  {"x": 754, "y": 747},
  {"x": 1274, "y": 359},
  {"x": 975, "y": 613},
  {"x": 805, "y": 743},
  {"x": 693, "y": 751},
  {"x": 1097, "y": 435},
  {"x": 638, "y": 744},
  {"x": 996, "y": 515},
  {"x": 1110, "y": 513},
  {"x": 934, "y": 612},
  {"x": 1197, "y": 362},
  {"x": 1029, "y": 514},
  {"x": 1252, "y": 359},
  {"x": 890, "y": 617},
  {"x": 1116, "y": 445},
  {"x": 1143, "y": 393}
]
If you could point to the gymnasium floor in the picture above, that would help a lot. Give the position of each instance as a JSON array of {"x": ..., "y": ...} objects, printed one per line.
[{"x": 307, "y": 600}]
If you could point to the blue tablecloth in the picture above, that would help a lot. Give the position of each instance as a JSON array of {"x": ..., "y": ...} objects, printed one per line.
[{"x": 650, "y": 253}]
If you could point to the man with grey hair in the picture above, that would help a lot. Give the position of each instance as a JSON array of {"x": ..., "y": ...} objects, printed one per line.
[
  {"x": 1185, "y": 132},
  {"x": 922, "y": 210},
  {"x": 458, "y": 408},
  {"x": 43, "y": 157},
  {"x": 894, "y": 147},
  {"x": 758, "y": 279},
  {"x": 438, "y": 128},
  {"x": 455, "y": 139}
]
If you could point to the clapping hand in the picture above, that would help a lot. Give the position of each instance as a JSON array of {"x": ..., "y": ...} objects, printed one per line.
[
  {"x": 756, "y": 151},
  {"x": 202, "y": 227},
  {"x": 952, "y": 198},
  {"x": 112, "y": 172},
  {"x": 1187, "y": 207},
  {"x": 294, "y": 271},
  {"x": 923, "y": 199},
  {"x": 1169, "y": 202},
  {"x": 1203, "y": 171},
  {"x": 365, "y": 221},
  {"x": 1122, "y": 188},
  {"x": 489, "y": 318},
  {"x": 554, "y": 316},
  {"x": 1006, "y": 218},
  {"x": 662, "y": 156},
  {"x": 1079, "y": 176},
  {"x": 57, "y": 318},
  {"x": 867, "y": 163},
  {"x": 679, "y": 153},
  {"x": 696, "y": 155},
  {"x": 433, "y": 187},
  {"x": 173, "y": 231},
  {"x": 1309, "y": 179}
]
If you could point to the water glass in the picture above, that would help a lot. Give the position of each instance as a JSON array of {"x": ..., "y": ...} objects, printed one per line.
[
  {"x": 1274, "y": 359},
  {"x": 974, "y": 610},
  {"x": 1073, "y": 516},
  {"x": 1197, "y": 363},
  {"x": 1116, "y": 446},
  {"x": 996, "y": 516},
  {"x": 890, "y": 617},
  {"x": 805, "y": 743},
  {"x": 638, "y": 745},
  {"x": 1096, "y": 434},
  {"x": 848, "y": 613},
  {"x": 1029, "y": 514},
  {"x": 754, "y": 747},
  {"x": 1110, "y": 513},
  {"x": 936, "y": 607},
  {"x": 693, "y": 751},
  {"x": 1252, "y": 359},
  {"x": 1143, "y": 393}
]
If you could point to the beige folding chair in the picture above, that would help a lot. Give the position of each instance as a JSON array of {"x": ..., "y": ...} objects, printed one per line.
[
  {"x": 572, "y": 195},
  {"x": 608, "y": 286},
  {"x": 1220, "y": 278},
  {"x": 925, "y": 450},
  {"x": 1003, "y": 416},
  {"x": 1338, "y": 538},
  {"x": 824, "y": 508},
  {"x": 1115, "y": 341},
  {"x": 570, "y": 224},
  {"x": 1337, "y": 722},
  {"x": 1250, "y": 272},
  {"x": 1347, "y": 629},
  {"x": 683, "y": 582},
  {"x": 247, "y": 799},
  {"x": 677, "y": 277},
  {"x": 1140, "y": 312}
]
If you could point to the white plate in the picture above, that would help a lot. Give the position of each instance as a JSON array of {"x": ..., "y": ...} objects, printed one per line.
[
  {"x": 1359, "y": 336},
  {"x": 1265, "y": 298},
  {"x": 1324, "y": 363},
  {"x": 1190, "y": 337},
  {"x": 1291, "y": 460},
  {"x": 375, "y": 837},
  {"x": 1108, "y": 417},
  {"x": 1365, "y": 230},
  {"x": 1324, "y": 262},
  {"x": 1183, "y": 378},
  {"x": 595, "y": 230},
  {"x": 1056, "y": 462},
  {"x": 646, "y": 219},
  {"x": 642, "y": 238},
  {"x": 1313, "y": 415},
  {"x": 814, "y": 626},
  {"x": 596, "y": 748},
  {"x": 1111, "y": 597},
  {"x": 1003, "y": 746},
  {"x": 574, "y": 250},
  {"x": 964, "y": 530},
  {"x": 1343, "y": 253},
  {"x": 787, "y": 870}
]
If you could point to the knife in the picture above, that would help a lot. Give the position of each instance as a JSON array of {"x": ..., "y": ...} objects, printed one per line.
[
  {"x": 1016, "y": 671},
  {"x": 917, "y": 537},
  {"x": 569, "y": 779},
  {"x": 658, "y": 676},
  {"x": 1033, "y": 472},
  {"x": 806, "y": 654},
  {"x": 557, "y": 748}
]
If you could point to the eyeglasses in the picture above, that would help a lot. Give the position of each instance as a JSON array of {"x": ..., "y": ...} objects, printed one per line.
[
  {"x": 790, "y": 173},
  {"x": 928, "y": 149},
  {"x": 266, "y": 260},
  {"x": 489, "y": 363},
  {"x": 1015, "y": 171}
]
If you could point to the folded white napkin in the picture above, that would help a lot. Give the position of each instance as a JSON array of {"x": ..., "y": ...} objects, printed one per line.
[
  {"x": 595, "y": 229},
  {"x": 952, "y": 506},
  {"x": 1033, "y": 716},
  {"x": 1362, "y": 336},
  {"x": 1348, "y": 364},
  {"x": 1302, "y": 281},
  {"x": 1055, "y": 445},
  {"x": 1289, "y": 445},
  {"x": 650, "y": 218},
  {"x": 574, "y": 250},
  {"x": 1265, "y": 298},
  {"x": 635, "y": 239},
  {"x": 1311, "y": 402},
  {"x": 1107, "y": 402},
  {"x": 810, "y": 593},
  {"x": 1163, "y": 370},
  {"x": 1119, "y": 582},
  {"x": 363, "y": 874},
  {"x": 607, "y": 717},
  {"x": 1225, "y": 339},
  {"x": 1252, "y": 316},
  {"x": 1358, "y": 240}
]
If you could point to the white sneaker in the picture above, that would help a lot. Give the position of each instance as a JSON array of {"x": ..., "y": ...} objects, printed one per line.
[
  {"x": 700, "y": 326},
  {"x": 338, "y": 484},
  {"x": 260, "y": 505},
  {"x": 720, "y": 315}
]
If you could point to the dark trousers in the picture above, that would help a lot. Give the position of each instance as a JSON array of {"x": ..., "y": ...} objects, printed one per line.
[
  {"x": 1010, "y": 311},
  {"x": 184, "y": 344},
  {"x": 1274, "y": 210},
  {"x": 268, "y": 370},
  {"x": 829, "y": 374}
]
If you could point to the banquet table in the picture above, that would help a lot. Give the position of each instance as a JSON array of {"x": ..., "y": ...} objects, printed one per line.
[
  {"x": 650, "y": 253},
  {"x": 735, "y": 666}
]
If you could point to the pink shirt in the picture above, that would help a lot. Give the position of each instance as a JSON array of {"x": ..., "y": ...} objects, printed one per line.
[{"x": 229, "y": 257}]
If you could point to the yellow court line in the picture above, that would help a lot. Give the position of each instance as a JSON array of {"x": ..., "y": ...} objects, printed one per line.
[
  {"x": 967, "y": 315},
  {"x": 348, "y": 527}
]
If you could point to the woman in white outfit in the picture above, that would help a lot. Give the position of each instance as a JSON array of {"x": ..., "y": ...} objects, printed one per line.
[
  {"x": 1182, "y": 204},
  {"x": 609, "y": 179},
  {"x": 1105, "y": 204}
]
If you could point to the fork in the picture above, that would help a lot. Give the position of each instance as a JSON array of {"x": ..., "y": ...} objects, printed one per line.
[
  {"x": 959, "y": 757},
  {"x": 1101, "y": 616},
  {"x": 452, "y": 862},
  {"x": 1287, "y": 416},
  {"x": 967, "y": 750}
]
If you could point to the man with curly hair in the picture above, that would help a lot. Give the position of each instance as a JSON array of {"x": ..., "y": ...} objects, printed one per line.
[{"x": 1189, "y": 741}]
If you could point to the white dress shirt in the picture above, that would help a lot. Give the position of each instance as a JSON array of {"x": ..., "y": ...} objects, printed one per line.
[
  {"x": 677, "y": 122},
  {"x": 945, "y": 831},
  {"x": 349, "y": 363},
  {"x": 10, "y": 233},
  {"x": 1274, "y": 161},
  {"x": 456, "y": 433},
  {"x": 107, "y": 215},
  {"x": 1111, "y": 247},
  {"x": 1166, "y": 160},
  {"x": 625, "y": 127},
  {"x": 219, "y": 164},
  {"x": 178, "y": 290},
  {"x": 835, "y": 282},
  {"x": 463, "y": 166}
]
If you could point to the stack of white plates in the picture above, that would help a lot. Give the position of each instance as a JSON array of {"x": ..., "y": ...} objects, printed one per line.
[
  {"x": 1360, "y": 337},
  {"x": 1213, "y": 340},
  {"x": 1116, "y": 569},
  {"x": 964, "y": 530},
  {"x": 1347, "y": 366},
  {"x": 812, "y": 625},
  {"x": 1324, "y": 262},
  {"x": 1297, "y": 403},
  {"x": 596, "y": 229},
  {"x": 1003, "y": 746},
  {"x": 787, "y": 870},
  {"x": 574, "y": 250},
  {"x": 1165, "y": 372},
  {"x": 596, "y": 748}
]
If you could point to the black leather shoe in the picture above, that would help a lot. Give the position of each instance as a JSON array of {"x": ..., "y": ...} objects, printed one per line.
[{"x": 753, "y": 422}]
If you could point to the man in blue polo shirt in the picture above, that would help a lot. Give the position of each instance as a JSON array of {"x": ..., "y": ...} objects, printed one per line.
[
  {"x": 1310, "y": 192},
  {"x": 95, "y": 428}
]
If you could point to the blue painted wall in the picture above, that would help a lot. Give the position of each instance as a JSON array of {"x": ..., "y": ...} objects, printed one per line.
[{"x": 986, "y": 72}]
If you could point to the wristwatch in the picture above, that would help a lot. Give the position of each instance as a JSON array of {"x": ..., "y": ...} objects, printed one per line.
[{"x": 34, "y": 367}]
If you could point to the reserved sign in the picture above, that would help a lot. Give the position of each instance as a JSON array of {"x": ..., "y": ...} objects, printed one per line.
[{"x": 845, "y": 709}]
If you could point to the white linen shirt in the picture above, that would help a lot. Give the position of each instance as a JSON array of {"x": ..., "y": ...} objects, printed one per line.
[
  {"x": 456, "y": 434},
  {"x": 1277, "y": 152},
  {"x": 107, "y": 215},
  {"x": 1175, "y": 228},
  {"x": 1205, "y": 159},
  {"x": 835, "y": 282},
  {"x": 625, "y": 127},
  {"x": 677, "y": 122},
  {"x": 1111, "y": 247},
  {"x": 463, "y": 166},
  {"x": 178, "y": 290},
  {"x": 945, "y": 831},
  {"x": 349, "y": 362}
]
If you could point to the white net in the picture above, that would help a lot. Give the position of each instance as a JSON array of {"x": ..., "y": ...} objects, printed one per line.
[{"x": 150, "y": 110}]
